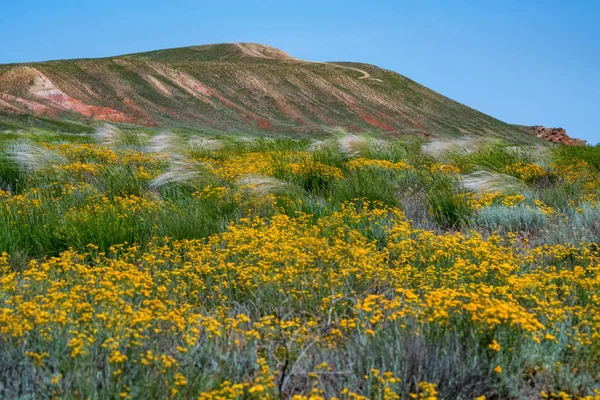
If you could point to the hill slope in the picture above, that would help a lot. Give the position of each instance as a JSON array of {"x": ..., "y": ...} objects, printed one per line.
[{"x": 238, "y": 87}]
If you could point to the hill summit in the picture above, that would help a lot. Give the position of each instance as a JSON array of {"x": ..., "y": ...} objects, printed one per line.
[
  {"x": 217, "y": 52},
  {"x": 241, "y": 87}
]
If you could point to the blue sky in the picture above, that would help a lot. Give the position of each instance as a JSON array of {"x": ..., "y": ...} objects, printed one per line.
[{"x": 519, "y": 61}]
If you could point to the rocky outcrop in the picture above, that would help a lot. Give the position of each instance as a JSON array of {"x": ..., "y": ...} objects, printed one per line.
[{"x": 554, "y": 135}]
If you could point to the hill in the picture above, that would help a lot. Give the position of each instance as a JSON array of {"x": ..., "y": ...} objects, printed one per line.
[{"x": 237, "y": 87}]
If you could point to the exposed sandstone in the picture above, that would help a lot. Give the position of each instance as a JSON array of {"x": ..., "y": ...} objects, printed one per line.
[{"x": 554, "y": 135}]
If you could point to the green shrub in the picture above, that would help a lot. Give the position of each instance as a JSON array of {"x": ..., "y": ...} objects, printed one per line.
[
  {"x": 510, "y": 219},
  {"x": 577, "y": 226}
]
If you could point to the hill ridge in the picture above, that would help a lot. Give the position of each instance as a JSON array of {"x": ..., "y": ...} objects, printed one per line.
[{"x": 243, "y": 51}]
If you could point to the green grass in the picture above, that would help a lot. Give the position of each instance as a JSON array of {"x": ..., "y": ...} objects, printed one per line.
[
  {"x": 570, "y": 155},
  {"x": 493, "y": 159},
  {"x": 449, "y": 207},
  {"x": 14, "y": 122}
]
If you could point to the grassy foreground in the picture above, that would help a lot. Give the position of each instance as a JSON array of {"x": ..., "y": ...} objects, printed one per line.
[{"x": 137, "y": 266}]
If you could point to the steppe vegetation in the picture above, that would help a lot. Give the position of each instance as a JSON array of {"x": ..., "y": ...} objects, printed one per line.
[{"x": 138, "y": 265}]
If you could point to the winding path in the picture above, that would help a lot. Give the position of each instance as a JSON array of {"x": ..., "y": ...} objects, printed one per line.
[{"x": 366, "y": 75}]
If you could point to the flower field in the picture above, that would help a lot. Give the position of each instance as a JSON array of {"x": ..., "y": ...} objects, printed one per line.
[{"x": 141, "y": 266}]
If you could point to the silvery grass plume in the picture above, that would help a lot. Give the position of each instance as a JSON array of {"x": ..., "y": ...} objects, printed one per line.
[
  {"x": 33, "y": 158},
  {"x": 336, "y": 130},
  {"x": 465, "y": 144},
  {"x": 196, "y": 143},
  {"x": 241, "y": 141},
  {"x": 354, "y": 145},
  {"x": 108, "y": 135},
  {"x": 182, "y": 170},
  {"x": 542, "y": 154},
  {"x": 140, "y": 138},
  {"x": 164, "y": 143},
  {"x": 480, "y": 181},
  {"x": 260, "y": 184},
  {"x": 316, "y": 145}
]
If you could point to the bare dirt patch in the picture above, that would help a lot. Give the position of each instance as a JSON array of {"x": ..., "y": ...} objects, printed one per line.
[
  {"x": 263, "y": 51},
  {"x": 158, "y": 85}
]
